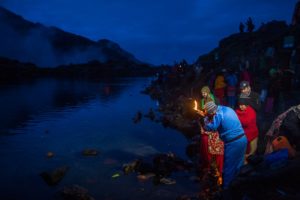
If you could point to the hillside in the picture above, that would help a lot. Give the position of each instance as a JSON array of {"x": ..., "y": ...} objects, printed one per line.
[
  {"x": 44, "y": 46},
  {"x": 273, "y": 45}
]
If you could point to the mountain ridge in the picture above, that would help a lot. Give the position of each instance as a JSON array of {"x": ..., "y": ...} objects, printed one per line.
[{"x": 51, "y": 46}]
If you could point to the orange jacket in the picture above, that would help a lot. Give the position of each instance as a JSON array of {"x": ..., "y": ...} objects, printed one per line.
[{"x": 220, "y": 82}]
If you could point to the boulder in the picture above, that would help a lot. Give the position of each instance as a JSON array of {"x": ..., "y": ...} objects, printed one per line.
[
  {"x": 90, "y": 152},
  {"x": 75, "y": 192},
  {"x": 55, "y": 176}
]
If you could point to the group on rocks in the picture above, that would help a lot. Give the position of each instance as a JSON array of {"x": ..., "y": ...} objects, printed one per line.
[{"x": 230, "y": 117}]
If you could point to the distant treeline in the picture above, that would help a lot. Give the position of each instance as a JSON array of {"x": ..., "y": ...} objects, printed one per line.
[{"x": 12, "y": 70}]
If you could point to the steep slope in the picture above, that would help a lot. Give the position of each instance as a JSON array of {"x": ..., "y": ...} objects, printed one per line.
[{"x": 50, "y": 46}]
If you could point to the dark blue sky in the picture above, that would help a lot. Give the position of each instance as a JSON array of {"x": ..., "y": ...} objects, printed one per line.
[{"x": 155, "y": 31}]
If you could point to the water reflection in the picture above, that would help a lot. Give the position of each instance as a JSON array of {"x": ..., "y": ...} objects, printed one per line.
[
  {"x": 65, "y": 117},
  {"x": 19, "y": 103}
]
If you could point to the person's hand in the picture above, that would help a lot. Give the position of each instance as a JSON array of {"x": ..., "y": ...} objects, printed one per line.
[
  {"x": 202, "y": 130},
  {"x": 200, "y": 112}
]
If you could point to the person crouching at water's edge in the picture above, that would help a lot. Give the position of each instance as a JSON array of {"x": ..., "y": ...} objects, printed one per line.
[
  {"x": 212, "y": 147},
  {"x": 224, "y": 120}
]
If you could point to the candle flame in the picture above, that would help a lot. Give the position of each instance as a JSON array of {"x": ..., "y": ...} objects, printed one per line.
[
  {"x": 196, "y": 105},
  {"x": 219, "y": 177}
]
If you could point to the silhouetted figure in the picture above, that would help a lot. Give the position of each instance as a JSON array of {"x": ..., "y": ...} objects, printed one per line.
[
  {"x": 184, "y": 63},
  {"x": 250, "y": 25},
  {"x": 296, "y": 15},
  {"x": 242, "y": 27},
  {"x": 137, "y": 117},
  {"x": 151, "y": 114}
]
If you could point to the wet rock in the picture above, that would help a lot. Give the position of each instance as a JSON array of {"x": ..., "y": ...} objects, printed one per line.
[
  {"x": 90, "y": 152},
  {"x": 137, "y": 118},
  {"x": 167, "y": 181},
  {"x": 75, "y": 192},
  {"x": 151, "y": 114},
  {"x": 163, "y": 194},
  {"x": 55, "y": 176},
  {"x": 188, "y": 197},
  {"x": 145, "y": 177},
  {"x": 210, "y": 183},
  {"x": 130, "y": 167},
  {"x": 195, "y": 179},
  {"x": 192, "y": 150},
  {"x": 141, "y": 150},
  {"x": 110, "y": 161}
]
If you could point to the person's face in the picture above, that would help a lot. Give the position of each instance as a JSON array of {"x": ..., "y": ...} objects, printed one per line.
[
  {"x": 210, "y": 115},
  {"x": 246, "y": 90},
  {"x": 242, "y": 107},
  {"x": 204, "y": 94}
]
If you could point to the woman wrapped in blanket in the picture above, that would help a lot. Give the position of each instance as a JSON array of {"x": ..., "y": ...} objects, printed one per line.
[{"x": 224, "y": 120}]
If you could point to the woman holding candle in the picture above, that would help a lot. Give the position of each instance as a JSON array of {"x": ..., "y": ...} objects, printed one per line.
[{"x": 211, "y": 145}]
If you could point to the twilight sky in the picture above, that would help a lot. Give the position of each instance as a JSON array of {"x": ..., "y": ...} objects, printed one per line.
[{"x": 155, "y": 31}]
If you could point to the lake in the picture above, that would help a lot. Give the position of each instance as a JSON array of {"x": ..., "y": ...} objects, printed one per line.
[{"x": 67, "y": 116}]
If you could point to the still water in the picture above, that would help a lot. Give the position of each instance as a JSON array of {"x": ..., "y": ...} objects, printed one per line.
[{"x": 66, "y": 117}]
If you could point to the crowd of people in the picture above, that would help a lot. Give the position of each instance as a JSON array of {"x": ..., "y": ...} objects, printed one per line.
[
  {"x": 228, "y": 135},
  {"x": 228, "y": 110}
]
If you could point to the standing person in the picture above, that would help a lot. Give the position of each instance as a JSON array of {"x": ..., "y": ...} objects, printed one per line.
[
  {"x": 224, "y": 120},
  {"x": 245, "y": 74},
  {"x": 232, "y": 82},
  {"x": 273, "y": 91},
  {"x": 211, "y": 144},
  {"x": 254, "y": 99},
  {"x": 206, "y": 96},
  {"x": 247, "y": 117},
  {"x": 212, "y": 79},
  {"x": 220, "y": 86}
]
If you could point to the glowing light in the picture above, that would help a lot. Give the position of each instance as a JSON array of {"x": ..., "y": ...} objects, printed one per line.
[{"x": 196, "y": 105}]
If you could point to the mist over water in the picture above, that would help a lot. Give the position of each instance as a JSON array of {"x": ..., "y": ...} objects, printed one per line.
[{"x": 34, "y": 45}]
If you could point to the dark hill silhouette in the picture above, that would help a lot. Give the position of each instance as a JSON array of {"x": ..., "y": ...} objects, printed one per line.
[
  {"x": 274, "y": 44},
  {"x": 249, "y": 45},
  {"x": 44, "y": 46}
]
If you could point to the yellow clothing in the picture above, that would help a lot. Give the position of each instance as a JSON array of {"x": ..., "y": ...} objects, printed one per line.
[{"x": 220, "y": 82}]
